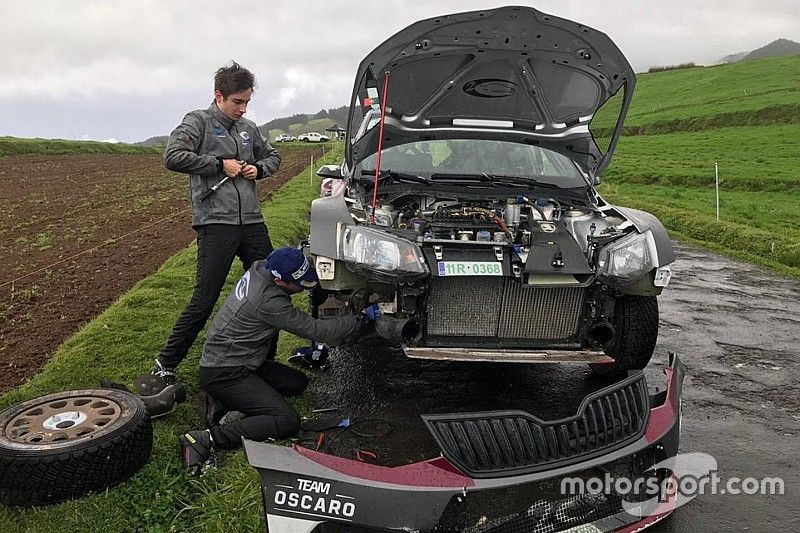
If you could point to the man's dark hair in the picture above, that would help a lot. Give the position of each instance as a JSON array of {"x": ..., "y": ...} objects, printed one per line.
[{"x": 232, "y": 79}]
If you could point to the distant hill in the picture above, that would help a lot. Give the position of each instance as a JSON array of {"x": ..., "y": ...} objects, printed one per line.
[
  {"x": 154, "y": 141},
  {"x": 294, "y": 125},
  {"x": 732, "y": 58},
  {"x": 775, "y": 48},
  {"x": 778, "y": 47}
]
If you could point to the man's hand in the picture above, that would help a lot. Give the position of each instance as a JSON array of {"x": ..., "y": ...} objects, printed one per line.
[
  {"x": 249, "y": 172},
  {"x": 372, "y": 312},
  {"x": 231, "y": 167}
]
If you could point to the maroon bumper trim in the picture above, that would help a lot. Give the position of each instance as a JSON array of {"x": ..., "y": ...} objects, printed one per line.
[{"x": 436, "y": 472}]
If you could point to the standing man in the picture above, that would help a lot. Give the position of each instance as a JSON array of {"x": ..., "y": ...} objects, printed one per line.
[
  {"x": 236, "y": 369},
  {"x": 212, "y": 145}
]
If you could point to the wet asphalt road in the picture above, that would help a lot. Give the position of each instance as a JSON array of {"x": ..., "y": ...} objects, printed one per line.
[{"x": 735, "y": 326}]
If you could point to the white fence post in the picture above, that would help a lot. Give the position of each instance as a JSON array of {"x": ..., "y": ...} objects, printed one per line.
[{"x": 716, "y": 186}]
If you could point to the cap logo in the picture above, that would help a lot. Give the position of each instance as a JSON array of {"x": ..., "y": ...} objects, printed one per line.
[{"x": 302, "y": 270}]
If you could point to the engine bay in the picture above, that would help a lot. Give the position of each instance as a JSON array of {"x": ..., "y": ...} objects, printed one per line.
[{"x": 509, "y": 221}]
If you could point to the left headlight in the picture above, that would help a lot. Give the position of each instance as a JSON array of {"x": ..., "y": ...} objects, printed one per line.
[
  {"x": 625, "y": 260},
  {"x": 381, "y": 252}
]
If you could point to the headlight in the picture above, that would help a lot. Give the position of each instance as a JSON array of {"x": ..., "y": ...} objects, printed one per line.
[
  {"x": 625, "y": 260},
  {"x": 382, "y": 252}
]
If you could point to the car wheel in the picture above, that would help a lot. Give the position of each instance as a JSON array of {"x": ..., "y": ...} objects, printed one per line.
[
  {"x": 65, "y": 445},
  {"x": 636, "y": 326}
]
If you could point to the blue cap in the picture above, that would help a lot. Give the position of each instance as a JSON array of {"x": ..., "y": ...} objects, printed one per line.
[{"x": 292, "y": 266}]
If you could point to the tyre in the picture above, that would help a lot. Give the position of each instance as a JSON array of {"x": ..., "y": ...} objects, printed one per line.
[
  {"x": 636, "y": 326},
  {"x": 65, "y": 445}
]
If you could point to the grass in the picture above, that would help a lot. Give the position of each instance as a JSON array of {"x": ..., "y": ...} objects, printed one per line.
[
  {"x": 744, "y": 116},
  {"x": 723, "y": 95},
  {"x": 758, "y": 158},
  {"x": 672, "y": 176},
  {"x": 18, "y": 146},
  {"x": 120, "y": 344},
  {"x": 758, "y": 227}
]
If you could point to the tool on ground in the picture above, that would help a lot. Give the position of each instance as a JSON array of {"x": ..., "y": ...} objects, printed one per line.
[
  {"x": 361, "y": 455},
  {"x": 315, "y": 356}
]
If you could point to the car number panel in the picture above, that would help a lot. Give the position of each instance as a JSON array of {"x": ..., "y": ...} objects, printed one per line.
[{"x": 470, "y": 268}]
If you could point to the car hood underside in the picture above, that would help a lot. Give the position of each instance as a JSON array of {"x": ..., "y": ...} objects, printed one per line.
[{"x": 511, "y": 73}]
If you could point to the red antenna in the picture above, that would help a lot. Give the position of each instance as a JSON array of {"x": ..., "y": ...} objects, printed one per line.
[{"x": 380, "y": 146}]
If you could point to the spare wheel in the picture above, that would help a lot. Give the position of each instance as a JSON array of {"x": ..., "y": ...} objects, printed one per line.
[{"x": 64, "y": 445}]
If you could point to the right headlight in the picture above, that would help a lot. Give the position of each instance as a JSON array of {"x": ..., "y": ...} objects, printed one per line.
[
  {"x": 366, "y": 248},
  {"x": 625, "y": 260}
]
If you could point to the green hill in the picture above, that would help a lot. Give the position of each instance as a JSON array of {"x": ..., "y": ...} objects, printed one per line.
[
  {"x": 765, "y": 91},
  {"x": 743, "y": 116}
]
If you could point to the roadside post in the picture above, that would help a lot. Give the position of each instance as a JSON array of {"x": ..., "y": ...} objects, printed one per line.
[
  {"x": 716, "y": 185},
  {"x": 311, "y": 174}
]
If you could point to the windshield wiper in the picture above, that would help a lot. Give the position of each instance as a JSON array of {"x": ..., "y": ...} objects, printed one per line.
[
  {"x": 397, "y": 176},
  {"x": 494, "y": 179},
  {"x": 512, "y": 181}
]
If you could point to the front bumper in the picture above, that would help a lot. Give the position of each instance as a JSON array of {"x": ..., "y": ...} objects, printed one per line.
[{"x": 306, "y": 491}]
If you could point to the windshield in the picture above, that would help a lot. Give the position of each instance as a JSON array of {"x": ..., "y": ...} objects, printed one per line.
[{"x": 476, "y": 157}]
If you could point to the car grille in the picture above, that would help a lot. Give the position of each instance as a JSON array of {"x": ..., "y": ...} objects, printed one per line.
[
  {"x": 504, "y": 308},
  {"x": 505, "y": 443}
]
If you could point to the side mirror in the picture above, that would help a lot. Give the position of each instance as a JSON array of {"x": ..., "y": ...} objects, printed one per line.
[{"x": 330, "y": 171}]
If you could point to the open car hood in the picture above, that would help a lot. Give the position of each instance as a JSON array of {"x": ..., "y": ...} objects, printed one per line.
[{"x": 512, "y": 74}]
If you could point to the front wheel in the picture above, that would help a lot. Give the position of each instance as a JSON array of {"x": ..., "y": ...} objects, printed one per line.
[{"x": 636, "y": 325}]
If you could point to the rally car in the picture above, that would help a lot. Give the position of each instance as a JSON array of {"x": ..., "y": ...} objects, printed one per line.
[{"x": 468, "y": 209}]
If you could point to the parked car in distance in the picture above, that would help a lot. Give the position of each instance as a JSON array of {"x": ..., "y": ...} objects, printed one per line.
[
  {"x": 285, "y": 138},
  {"x": 313, "y": 137}
]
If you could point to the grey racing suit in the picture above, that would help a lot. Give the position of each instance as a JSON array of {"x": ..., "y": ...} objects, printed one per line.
[
  {"x": 236, "y": 369},
  {"x": 197, "y": 147}
]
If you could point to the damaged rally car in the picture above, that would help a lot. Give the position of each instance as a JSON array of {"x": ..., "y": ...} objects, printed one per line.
[
  {"x": 468, "y": 209},
  {"x": 468, "y": 212}
]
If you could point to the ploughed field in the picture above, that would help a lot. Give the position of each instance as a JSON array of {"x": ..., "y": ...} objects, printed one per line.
[{"x": 77, "y": 231}]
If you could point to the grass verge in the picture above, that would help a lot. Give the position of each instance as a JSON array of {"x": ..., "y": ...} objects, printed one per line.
[
  {"x": 18, "y": 146},
  {"x": 120, "y": 344}
]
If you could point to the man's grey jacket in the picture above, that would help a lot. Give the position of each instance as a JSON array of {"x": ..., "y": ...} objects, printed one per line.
[
  {"x": 198, "y": 146},
  {"x": 253, "y": 313}
]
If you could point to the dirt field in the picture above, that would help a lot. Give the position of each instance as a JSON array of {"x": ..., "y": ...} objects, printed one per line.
[{"x": 78, "y": 231}]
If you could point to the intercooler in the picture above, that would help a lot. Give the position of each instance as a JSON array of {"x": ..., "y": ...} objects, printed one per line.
[{"x": 503, "y": 308}]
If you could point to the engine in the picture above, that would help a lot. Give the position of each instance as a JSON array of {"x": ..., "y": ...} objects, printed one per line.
[{"x": 510, "y": 221}]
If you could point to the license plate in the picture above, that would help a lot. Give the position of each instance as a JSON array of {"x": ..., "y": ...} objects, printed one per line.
[{"x": 470, "y": 268}]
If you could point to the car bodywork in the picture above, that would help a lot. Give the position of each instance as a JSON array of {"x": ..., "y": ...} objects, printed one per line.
[
  {"x": 499, "y": 472},
  {"x": 477, "y": 227}
]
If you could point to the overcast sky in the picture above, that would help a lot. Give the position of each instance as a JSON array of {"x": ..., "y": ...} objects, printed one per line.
[{"x": 130, "y": 69}]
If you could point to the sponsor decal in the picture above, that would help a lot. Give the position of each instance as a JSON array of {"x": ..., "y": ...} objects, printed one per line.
[
  {"x": 245, "y": 138},
  {"x": 313, "y": 498},
  {"x": 490, "y": 88},
  {"x": 301, "y": 271},
  {"x": 243, "y": 287},
  {"x": 219, "y": 131},
  {"x": 547, "y": 227}
]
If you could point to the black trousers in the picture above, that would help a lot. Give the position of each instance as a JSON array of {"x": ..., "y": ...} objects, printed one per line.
[
  {"x": 217, "y": 246},
  {"x": 259, "y": 396}
]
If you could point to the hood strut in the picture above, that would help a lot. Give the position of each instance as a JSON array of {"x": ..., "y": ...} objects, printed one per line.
[{"x": 380, "y": 146}]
